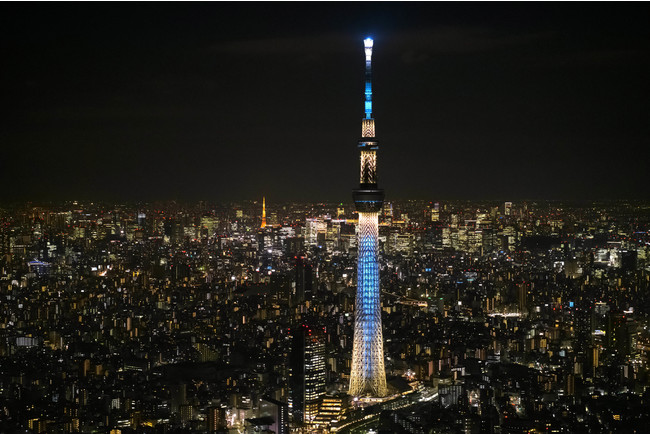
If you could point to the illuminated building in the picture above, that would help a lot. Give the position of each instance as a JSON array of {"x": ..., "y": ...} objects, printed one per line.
[
  {"x": 186, "y": 412},
  {"x": 331, "y": 411},
  {"x": 435, "y": 212},
  {"x": 278, "y": 412},
  {"x": 368, "y": 376},
  {"x": 313, "y": 228},
  {"x": 263, "y": 212},
  {"x": 307, "y": 378},
  {"x": 216, "y": 419}
]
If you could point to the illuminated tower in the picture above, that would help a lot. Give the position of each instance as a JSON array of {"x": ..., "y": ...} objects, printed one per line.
[
  {"x": 368, "y": 376},
  {"x": 263, "y": 212}
]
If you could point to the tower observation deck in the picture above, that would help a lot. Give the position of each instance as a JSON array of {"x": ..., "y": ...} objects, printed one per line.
[{"x": 368, "y": 375}]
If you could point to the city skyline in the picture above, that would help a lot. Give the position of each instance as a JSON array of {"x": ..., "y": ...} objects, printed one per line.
[
  {"x": 148, "y": 285},
  {"x": 497, "y": 101},
  {"x": 501, "y": 317}
]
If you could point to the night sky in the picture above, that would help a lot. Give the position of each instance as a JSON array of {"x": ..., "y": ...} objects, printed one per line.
[{"x": 224, "y": 102}]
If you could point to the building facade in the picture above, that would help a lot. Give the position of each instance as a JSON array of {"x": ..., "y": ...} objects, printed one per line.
[{"x": 307, "y": 372}]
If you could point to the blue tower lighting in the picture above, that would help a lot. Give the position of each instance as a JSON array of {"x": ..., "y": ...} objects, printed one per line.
[
  {"x": 368, "y": 375},
  {"x": 367, "y": 43}
]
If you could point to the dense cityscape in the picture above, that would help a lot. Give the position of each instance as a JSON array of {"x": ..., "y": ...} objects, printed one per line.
[
  {"x": 497, "y": 317},
  {"x": 213, "y": 277}
]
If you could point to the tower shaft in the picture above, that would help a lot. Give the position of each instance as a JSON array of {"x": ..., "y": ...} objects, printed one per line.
[
  {"x": 263, "y": 212},
  {"x": 368, "y": 375}
]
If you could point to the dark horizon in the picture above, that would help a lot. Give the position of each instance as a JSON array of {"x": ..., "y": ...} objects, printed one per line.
[{"x": 225, "y": 102}]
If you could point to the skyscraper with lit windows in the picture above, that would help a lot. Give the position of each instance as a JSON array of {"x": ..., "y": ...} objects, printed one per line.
[
  {"x": 368, "y": 376},
  {"x": 307, "y": 372}
]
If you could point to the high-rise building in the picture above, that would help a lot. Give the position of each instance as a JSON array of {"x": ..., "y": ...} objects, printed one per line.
[
  {"x": 304, "y": 280},
  {"x": 522, "y": 297},
  {"x": 178, "y": 396},
  {"x": 186, "y": 412},
  {"x": 307, "y": 375},
  {"x": 278, "y": 411},
  {"x": 368, "y": 376},
  {"x": 435, "y": 212},
  {"x": 216, "y": 419}
]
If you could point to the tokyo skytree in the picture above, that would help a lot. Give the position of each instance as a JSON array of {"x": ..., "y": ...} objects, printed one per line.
[{"x": 368, "y": 375}]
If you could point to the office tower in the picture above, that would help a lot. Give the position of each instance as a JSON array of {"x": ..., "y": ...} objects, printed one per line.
[
  {"x": 368, "y": 376},
  {"x": 276, "y": 410},
  {"x": 178, "y": 396},
  {"x": 142, "y": 218},
  {"x": 304, "y": 281},
  {"x": 307, "y": 376},
  {"x": 263, "y": 213},
  {"x": 522, "y": 297},
  {"x": 435, "y": 212},
  {"x": 294, "y": 245},
  {"x": 186, "y": 412},
  {"x": 570, "y": 389},
  {"x": 216, "y": 419}
]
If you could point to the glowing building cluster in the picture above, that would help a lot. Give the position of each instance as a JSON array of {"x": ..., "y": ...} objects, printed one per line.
[{"x": 368, "y": 376}]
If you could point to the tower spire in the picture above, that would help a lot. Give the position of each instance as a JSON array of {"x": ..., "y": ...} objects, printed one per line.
[
  {"x": 368, "y": 123},
  {"x": 367, "y": 44},
  {"x": 263, "y": 212},
  {"x": 368, "y": 376}
]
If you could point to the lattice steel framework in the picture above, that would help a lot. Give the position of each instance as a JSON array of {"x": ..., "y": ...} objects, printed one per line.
[
  {"x": 367, "y": 128},
  {"x": 368, "y": 375},
  {"x": 368, "y": 167}
]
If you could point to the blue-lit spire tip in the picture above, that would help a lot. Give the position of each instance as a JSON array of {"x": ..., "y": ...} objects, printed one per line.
[{"x": 367, "y": 43}]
